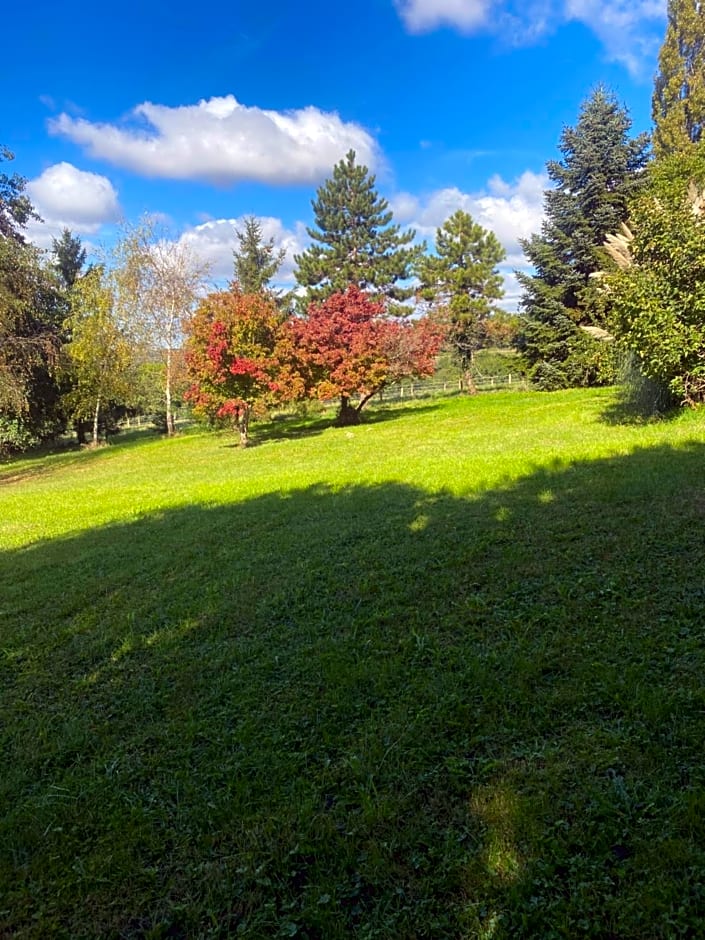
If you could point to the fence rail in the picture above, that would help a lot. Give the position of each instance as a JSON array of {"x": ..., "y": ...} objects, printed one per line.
[{"x": 426, "y": 389}]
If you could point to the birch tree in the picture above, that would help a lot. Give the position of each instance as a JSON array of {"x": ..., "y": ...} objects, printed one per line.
[{"x": 157, "y": 283}]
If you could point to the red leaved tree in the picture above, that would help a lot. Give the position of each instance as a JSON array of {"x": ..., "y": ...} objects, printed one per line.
[
  {"x": 346, "y": 347},
  {"x": 232, "y": 359}
]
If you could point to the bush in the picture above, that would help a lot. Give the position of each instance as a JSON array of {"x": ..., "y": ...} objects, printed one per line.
[{"x": 15, "y": 437}]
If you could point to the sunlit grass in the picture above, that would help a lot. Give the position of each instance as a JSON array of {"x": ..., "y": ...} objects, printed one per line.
[{"x": 438, "y": 675}]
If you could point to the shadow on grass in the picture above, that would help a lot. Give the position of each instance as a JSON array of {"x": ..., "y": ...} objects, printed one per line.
[
  {"x": 294, "y": 427},
  {"x": 52, "y": 459},
  {"x": 641, "y": 401},
  {"x": 625, "y": 413},
  {"x": 377, "y": 712}
]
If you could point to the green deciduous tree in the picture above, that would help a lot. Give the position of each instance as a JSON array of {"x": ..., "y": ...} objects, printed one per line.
[
  {"x": 678, "y": 104},
  {"x": 156, "y": 283},
  {"x": 255, "y": 260},
  {"x": 462, "y": 283},
  {"x": 15, "y": 207},
  {"x": 600, "y": 169},
  {"x": 355, "y": 242},
  {"x": 99, "y": 351},
  {"x": 31, "y": 311},
  {"x": 657, "y": 293}
]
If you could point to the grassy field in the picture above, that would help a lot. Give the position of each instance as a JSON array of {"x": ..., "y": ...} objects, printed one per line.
[{"x": 439, "y": 675}]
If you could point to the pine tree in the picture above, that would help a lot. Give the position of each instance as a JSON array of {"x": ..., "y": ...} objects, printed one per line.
[
  {"x": 255, "y": 260},
  {"x": 462, "y": 282},
  {"x": 69, "y": 257},
  {"x": 600, "y": 170},
  {"x": 678, "y": 104},
  {"x": 355, "y": 240}
]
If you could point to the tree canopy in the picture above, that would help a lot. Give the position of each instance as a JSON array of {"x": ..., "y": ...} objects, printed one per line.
[
  {"x": 657, "y": 293},
  {"x": 600, "y": 170},
  {"x": 347, "y": 346},
  {"x": 462, "y": 283},
  {"x": 69, "y": 257},
  {"x": 232, "y": 357},
  {"x": 99, "y": 350},
  {"x": 31, "y": 311},
  {"x": 678, "y": 103},
  {"x": 255, "y": 260},
  {"x": 355, "y": 240}
]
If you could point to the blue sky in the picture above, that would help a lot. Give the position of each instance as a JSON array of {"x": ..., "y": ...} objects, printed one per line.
[{"x": 205, "y": 113}]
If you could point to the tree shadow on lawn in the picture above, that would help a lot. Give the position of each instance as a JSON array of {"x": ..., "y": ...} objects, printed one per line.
[
  {"x": 47, "y": 460},
  {"x": 369, "y": 712},
  {"x": 294, "y": 427}
]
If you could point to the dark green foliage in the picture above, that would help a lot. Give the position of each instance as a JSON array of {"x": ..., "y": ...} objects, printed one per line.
[
  {"x": 678, "y": 104},
  {"x": 462, "y": 283},
  {"x": 69, "y": 257},
  {"x": 592, "y": 184},
  {"x": 15, "y": 208},
  {"x": 355, "y": 242},
  {"x": 31, "y": 311},
  {"x": 255, "y": 260}
]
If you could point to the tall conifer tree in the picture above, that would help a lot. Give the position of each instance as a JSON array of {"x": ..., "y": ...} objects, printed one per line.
[
  {"x": 255, "y": 260},
  {"x": 678, "y": 104},
  {"x": 593, "y": 182},
  {"x": 355, "y": 242},
  {"x": 69, "y": 257},
  {"x": 462, "y": 282}
]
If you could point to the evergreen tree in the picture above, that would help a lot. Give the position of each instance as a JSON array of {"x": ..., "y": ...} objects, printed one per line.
[
  {"x": 255, "y": 260},
  {"x": 678, "y": 104},
  {"x": 462, "y": 282},
  {"x": 355, "y": 240},
  {"x": 69, "y": 257},
  {"x": 599, "y": 172}
]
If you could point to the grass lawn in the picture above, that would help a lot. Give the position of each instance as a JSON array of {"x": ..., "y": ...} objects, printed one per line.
[{"x": 439, "y": 675}]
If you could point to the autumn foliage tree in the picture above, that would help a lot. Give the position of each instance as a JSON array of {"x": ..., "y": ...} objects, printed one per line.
[
  {"x": 231, "y": 357},
  {"x": 347, "y": 347}
]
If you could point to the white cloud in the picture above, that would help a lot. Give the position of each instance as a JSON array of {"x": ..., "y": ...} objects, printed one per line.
[
  {"x": 423, "y": 15},
  {"x": 213, "y": 241},
  {"x": 65, "y": 196},
  {"x": 629, "y": 30},
  {"x": 621, "y": 26},
  {"x": 222, "y": 141},
  {"x": 512, "y": 210}
]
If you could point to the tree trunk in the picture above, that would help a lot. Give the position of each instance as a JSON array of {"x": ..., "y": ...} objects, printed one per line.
[
  {"x": 348, "y": 415},
  {"x": 243, "y": 424},
  {"x": 170, "y": 423},
  {"x": 96, "y": 415},
  {"x": 469, "y": 382}
]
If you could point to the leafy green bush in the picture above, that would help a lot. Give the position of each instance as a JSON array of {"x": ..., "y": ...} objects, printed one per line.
[{"x": 15, "y": 436}]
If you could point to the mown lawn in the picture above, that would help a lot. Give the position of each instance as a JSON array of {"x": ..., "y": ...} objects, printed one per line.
[{"x": 441, "y": 675}]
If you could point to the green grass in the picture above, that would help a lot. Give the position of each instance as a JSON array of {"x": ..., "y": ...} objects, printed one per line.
[{"x": 439, "y": 675}]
